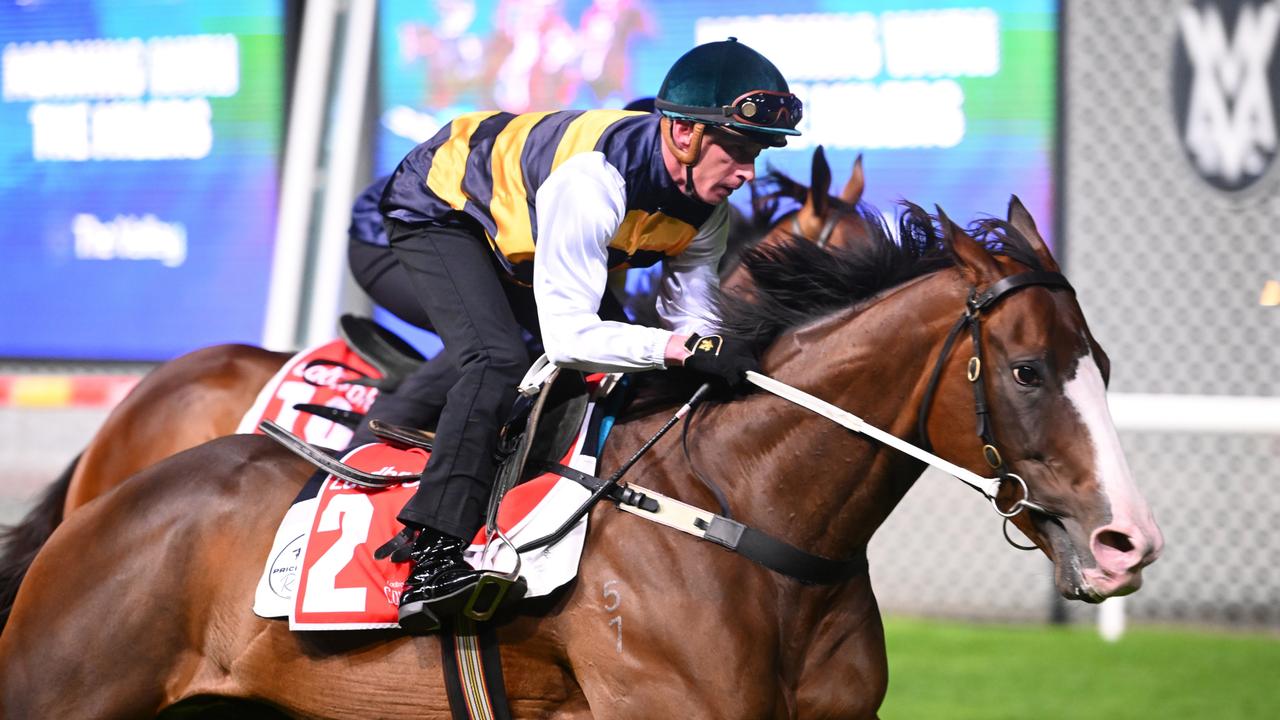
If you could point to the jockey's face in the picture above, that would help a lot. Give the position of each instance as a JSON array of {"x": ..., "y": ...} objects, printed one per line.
[{"x": 728, "y": 162}]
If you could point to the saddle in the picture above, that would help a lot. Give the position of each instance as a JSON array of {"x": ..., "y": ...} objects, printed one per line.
[
  {"x": 545, "y": 419},
  {"x": 542, "y": 427},
  {"x": 387, "y": 352},
  {"x": 546, "y": 426},
  {"x": 324, "y": 391}
]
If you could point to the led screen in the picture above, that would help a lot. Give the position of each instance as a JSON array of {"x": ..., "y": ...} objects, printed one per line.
[
  {"x": 951, "y": 103},
  {"x": 139, "y": 142}
]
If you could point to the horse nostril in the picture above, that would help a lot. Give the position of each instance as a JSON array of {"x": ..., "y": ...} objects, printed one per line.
[
  {"x": 1117, "y": 540},
  {"x": 1116, "y": 551}
]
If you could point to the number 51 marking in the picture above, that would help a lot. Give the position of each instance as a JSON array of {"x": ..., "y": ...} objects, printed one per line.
[{"x": 613, "y": 601}]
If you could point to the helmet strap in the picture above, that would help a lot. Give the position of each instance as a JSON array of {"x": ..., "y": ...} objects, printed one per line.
[{"x": 688, "y": 157}]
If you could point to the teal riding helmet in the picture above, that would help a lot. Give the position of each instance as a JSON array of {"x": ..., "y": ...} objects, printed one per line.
[{"x": 728, "y": 84}]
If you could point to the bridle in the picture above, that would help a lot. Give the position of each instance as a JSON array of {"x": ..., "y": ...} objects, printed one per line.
[
  {"x": 977, "y": 303},
  {"x": 828, "y": 227}
]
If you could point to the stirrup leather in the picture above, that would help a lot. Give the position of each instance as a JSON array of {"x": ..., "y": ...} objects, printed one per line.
[{"x": 401, "y": 435}]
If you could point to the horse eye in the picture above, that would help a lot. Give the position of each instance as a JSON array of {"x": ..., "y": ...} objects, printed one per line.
[{"x": 1027, "y": 375}]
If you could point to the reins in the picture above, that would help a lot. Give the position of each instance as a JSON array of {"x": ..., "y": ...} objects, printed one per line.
[
  {"x": 971, "y": 318},
  {"x": 724, "y": 531}
]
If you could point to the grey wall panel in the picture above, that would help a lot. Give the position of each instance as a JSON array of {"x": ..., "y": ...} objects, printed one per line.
[
  {"x": 1168, "y": 268},
  {"x": 1169, "y": 271}
]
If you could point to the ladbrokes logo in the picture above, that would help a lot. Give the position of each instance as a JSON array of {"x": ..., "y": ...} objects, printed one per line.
[{"x": 1226, "y": 88}]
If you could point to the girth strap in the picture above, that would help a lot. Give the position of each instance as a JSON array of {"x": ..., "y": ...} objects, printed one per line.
[
  {"x": 746, "y": 541},
  {"x": 621, "y": 494},
  {"x": 782, "y": 557},
  {"x": 472, "y": 668},
  {"x": 725, "y": 532}
]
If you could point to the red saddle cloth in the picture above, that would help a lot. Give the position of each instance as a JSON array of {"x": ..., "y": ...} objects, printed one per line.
[
  {"x": 328, "y": 383},
  {"x": 341, "y": 586}
]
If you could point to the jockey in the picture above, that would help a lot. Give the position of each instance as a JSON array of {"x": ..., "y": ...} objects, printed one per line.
[{"x": 506, "y": 222}]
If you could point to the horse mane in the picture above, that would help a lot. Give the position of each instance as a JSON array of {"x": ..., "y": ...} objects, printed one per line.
[
  {"x": 796, "y": 282},
  {"x": 20, "y": 543},
  {"x": 767, "y": 193}
]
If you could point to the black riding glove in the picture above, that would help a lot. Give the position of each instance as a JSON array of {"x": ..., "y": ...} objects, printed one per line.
[{"x": 727, "y": 359}]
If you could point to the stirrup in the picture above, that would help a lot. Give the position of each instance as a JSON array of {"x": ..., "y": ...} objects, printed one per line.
[
  {"x": 495, "y": 589},
  {"x": 478, "y": 600},
  {"x": 491, "y": 593},
  {"x": 420, "y": 622}
]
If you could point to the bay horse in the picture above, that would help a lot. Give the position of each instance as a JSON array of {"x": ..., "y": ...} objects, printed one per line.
[
  {"x": 141, "y": 600},
  {"x": 822, "y": 218},
  {"x": 178, "y": 405},
  {"x": 203, "y": 394}
]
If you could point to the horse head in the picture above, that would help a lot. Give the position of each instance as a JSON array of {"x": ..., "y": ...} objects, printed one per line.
[
  {"x": 819, "y": 219},
  {"x": 823, "y": 219},
  {"x": 1046, "y": 378},
  {"x": 929, "y": 337}
]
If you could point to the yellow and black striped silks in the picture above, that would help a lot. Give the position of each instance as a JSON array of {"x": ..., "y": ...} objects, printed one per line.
[{"x": 490, "y": 165}]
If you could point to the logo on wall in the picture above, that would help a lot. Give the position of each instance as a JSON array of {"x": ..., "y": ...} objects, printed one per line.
[{"x": 1226, "y": 88}]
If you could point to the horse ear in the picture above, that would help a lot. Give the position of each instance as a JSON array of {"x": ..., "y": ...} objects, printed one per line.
[
  {"x": 852, "y": 192},
  {"x": 1021, "y": 221},
  {"x": 972, "y": 259},
  {"x": 819, "y": 184}
]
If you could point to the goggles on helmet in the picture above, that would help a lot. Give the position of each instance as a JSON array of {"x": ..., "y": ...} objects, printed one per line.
[
  {"x": 766, "y": 108},
  {"x": 758, "y": 108}
]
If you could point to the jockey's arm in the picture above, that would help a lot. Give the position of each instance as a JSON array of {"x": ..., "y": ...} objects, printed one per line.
[{"x": 580, "y": 207}]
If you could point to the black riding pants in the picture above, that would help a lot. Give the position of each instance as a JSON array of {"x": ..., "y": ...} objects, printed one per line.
[{"x": 444, "y": 278}]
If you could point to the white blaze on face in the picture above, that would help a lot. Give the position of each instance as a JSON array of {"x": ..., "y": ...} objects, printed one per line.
[{"x": 1130, "y": 515}]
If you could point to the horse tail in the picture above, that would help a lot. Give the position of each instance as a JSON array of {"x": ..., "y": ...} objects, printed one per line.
[{"x": 20, "y": 543}]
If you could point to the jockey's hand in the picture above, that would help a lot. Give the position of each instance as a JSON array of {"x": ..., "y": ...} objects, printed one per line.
[{"x": 726, "y": 359}]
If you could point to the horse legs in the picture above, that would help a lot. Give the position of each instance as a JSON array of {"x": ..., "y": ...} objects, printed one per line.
[{"x": 846, "y": 672}]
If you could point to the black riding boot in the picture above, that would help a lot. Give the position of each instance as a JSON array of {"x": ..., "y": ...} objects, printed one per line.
[{"x": 439, "y": 583}]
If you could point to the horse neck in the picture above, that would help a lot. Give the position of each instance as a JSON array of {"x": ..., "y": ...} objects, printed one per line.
[{"x": 801, "y": 477}]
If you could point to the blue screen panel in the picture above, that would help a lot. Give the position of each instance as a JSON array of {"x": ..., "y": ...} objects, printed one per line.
[{"x": 140, "y": 142}]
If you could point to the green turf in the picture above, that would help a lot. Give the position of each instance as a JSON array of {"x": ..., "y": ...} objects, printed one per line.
[{"x": 941, "y": 671}]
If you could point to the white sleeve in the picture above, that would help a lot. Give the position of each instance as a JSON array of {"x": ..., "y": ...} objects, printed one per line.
[
  {"x": 689, "y": 280},
  {"x": 580, "y": 207}
]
